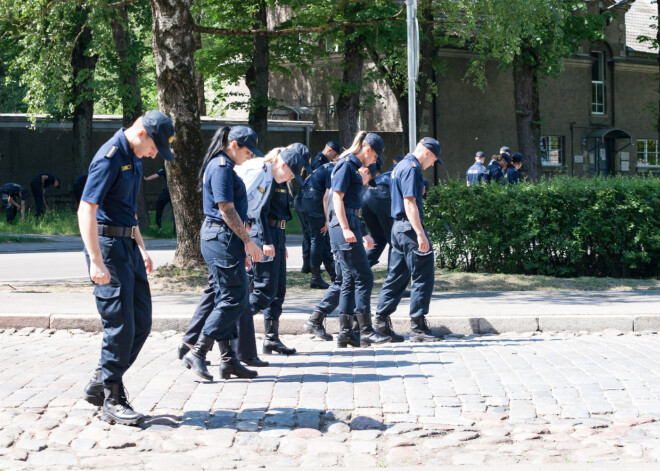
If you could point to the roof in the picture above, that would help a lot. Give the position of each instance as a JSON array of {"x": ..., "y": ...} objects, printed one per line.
[{"x": 638, "y": 23}]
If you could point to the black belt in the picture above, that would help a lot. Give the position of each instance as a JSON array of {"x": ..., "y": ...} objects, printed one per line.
[
  {"x": 311, "y": 188},
  {"x": 211, "y": 223},
  {"x": 354, "y": 212},
  {"x": 117, "y": 231},
  {"x": 402, "y": 218},
  {"x": 281, "y": 223}
]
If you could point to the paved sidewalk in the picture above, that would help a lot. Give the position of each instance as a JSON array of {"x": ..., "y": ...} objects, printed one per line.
[
  {"x": 530, "y": 399},
  {"x": 461, "y": 313}
]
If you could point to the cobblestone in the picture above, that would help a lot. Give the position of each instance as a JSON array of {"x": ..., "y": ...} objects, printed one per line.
[{"x": 545, "y": 398}]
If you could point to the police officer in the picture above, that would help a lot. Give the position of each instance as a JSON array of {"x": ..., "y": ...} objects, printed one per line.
[
  {"x": 348, "y": 237},
  {"x": 116, "y": 257},
  {"x": 475, "y": 174},
  {"x": 314, "y": 202},
  {"x": 297, "y": 202},
  {"x": 412, "y": 254},
  {"x": 512, "y": 176},
  {"x": 38, "y": 184},
  {"x": 268, "y": 230},
  {"x": 329, "y": 154},
  {"x": 164, "y": 198},
  {"x": 495, "y": 169},
  {"x": 225, "y": 244},
  {"x": 11, "y": 194}
]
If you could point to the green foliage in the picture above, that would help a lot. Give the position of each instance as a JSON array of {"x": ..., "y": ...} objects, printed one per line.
[
  {"x": 559, "y": 227},
  {"x": 57, "y": 222}
]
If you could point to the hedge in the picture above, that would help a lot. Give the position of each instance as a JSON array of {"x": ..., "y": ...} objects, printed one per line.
[{"x": 563, "y": 226}]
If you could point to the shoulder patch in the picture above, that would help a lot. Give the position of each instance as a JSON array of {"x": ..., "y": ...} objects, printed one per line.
[
  {"x": 261, "y": 190},
  {"x": 222, "y": 161},
  {"x": 111, "y": 152},
  {"x": 126, "y": 167}
]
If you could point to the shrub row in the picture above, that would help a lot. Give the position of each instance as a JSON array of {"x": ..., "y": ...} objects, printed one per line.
[{"x": 559, "y": 227}]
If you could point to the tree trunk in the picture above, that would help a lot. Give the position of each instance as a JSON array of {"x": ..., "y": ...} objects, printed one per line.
[
  {"x": 348, "y": 102},
  {"x": 83, "y": 71},
  {"x": 526, "y": 97},
  {"x": 131, "y": 99},
  {"x": 199, "y": 77},
  {"x": 657, "y": 38},
  {"x": 256, "y": 79},
  {"x": 174, "y": 48}
]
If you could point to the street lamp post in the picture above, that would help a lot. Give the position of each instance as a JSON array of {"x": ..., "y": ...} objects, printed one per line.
[{"x": 413, "y": 67}]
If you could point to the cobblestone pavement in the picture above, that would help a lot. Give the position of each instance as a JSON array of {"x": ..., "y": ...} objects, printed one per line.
[{"x": 535, "y": 399}]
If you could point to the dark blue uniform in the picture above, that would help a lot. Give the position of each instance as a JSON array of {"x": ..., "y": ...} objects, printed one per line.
[
  {"x": 376, "y": 206},
  {"x": 406, "y": 260},
  {"x": 223, "y": 251},
  {"x": 493, "y": 172},
  {"x": 16, "y": 193},
  {"x": 475, "y": 174},
  {"x": 163, "y": 199},
  {"x": 124, "y": 304},
  {"x": 512, "y": 176},
  {"x": 318, "y": 161},
  {"x": 357, "y": 278},
  {"x": 37, "y": 190},
  {"x": 313, "y": 215}
]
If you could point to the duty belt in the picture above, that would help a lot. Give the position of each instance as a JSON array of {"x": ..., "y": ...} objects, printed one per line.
[
  {"x": 281, "y": 223},
  {"x": 355, "y": 212},
  {"x": 212, "y": 223},
  {"x": 117, "y": 231},
  {"x": 311, "y": 188}
]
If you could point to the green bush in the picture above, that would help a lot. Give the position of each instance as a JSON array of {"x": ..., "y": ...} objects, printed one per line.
[{"x": 559, "y": 227}]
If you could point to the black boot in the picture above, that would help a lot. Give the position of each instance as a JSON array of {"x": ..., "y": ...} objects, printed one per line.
[
  {"x": 93, "y": 392},
  {"x": 314, "y": 325},
  {"x": 256, "y": 362},
  {"x": 317, "y": 282},
  {"x": 182, "y": 350},
  {"x": 367, "y": 333},
  {"x": 272, "y": 341},
  {"x": 116, "y": 408},
  {"x": 346, "y": 335},
  {"x": 383, "y": 326},
  {"x": 229, "y": 364},
  {"x": 331, "y": 272},
  {"x": 196, "y": 358},
  {"x": 305, "y": 267},
  {"x": 420, "y": 332}
]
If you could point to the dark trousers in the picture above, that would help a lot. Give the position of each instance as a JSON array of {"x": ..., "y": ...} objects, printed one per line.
[
  {"x": 37, "y": 192},
  {"x": 162, "y": 201},
  {"x": 306, "y": 242},
  {"x": 269, "y": 278},
  {"x": 376, "y": 207},
  {"x": 11, "y": 212},
  {"x": 330, "y": 299},
  {"x": 124, "y": 305},
  {"x": 224, "y": 254},
  {"x": 407, "y": 262},
  {"x": 357, "y": 277}
]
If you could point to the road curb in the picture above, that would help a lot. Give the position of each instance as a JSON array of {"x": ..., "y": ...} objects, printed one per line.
[{"x": 293, "y": 323}]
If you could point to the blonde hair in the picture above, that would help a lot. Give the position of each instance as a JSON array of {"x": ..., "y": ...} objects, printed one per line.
[
  {"x": 358, "y": 143},
  {"x": 271, "y": 156}
]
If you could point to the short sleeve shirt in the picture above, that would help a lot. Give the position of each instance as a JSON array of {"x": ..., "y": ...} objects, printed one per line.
[
  {"x": 347, "y": 180},
  {"x": 321, "y": 179},
  {"x": 221, "y": 184},
  {"x": 512, "y": 176},
  {"x": 113, "y": 182},
  {"x": 50, "y": 179},
  {"x": 475, "y": 174},
  {"x": 319, "y": 160},
  {"x": 257, "y": 177},
  {"x": 407, "y": 182}
]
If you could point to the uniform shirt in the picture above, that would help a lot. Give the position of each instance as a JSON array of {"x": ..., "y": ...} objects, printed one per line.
[
  {"x": 319, "y": 160},
  {"x": 346, "y": 179},
  {"x": 493, "y": 172},
  {"x": 50, "y": 180},
  {"x": 321, "y": 178},
  {"x": 512, "y": 176},
  {"x": 11, "y": 190},
  {"x": 384, "y": 178},
  {"x": 221, "y": 184},
  {"x": 257, "y": 176},
  {"x": 113, "y": 182},
  {"x": 406, "y": 182},
  {"x": 475, "y": 174}
]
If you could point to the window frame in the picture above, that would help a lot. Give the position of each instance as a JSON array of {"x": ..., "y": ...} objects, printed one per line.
[
  {"x": 546, "y": 144},
  {"x": 645, "y": 153},
  {"x": 598, "y": 86}
]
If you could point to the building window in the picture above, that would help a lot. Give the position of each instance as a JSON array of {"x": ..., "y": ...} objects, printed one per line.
[
  {"x": 647, "y": 153},
  {"x": 598, "y": 83},
  {"x": 552, "y": 150}
]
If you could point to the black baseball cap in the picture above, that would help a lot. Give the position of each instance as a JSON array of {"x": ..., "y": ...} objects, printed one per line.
[
  {"x": 161, "y": 130},
  {"x": 304, "y": 153},
  {"x": 506, "y": 157},
  {"x": 376, "y": 142},
  {"x": 334, "y": 145},
  {"x": 245, "y": 137},
  {"x": 480, "y": 154},
  {"x": 295, "y": 161},
  {"x": 434, "y": 146},
  {"x": 517, "y": 157}
]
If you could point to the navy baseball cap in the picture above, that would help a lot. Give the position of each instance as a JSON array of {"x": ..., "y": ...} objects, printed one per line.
[
  {"x": 304, "y": 153},
  {"x": 161, "y": 130},
  {"x": 506, "y": 157},
  {"x": 480, "y": 154},
  {"x": 295, "y": 161},
  {"x": 245, "y": 137},
  {"x": 334, "y": 145},
  {"x": 434, "y": 146},
  {"x": 376, "y": 142},
  {"x": 504, "y": 149},
  {"x": 517, "y": 157}
]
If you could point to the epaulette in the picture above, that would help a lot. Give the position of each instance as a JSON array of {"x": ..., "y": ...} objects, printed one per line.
[
  {"x": 261, "y": 190},
  {"x": 111, "y": 152},
  {"x": 265, "y": 168},
  {"x": 414, "y": 165},
  {"x": 222, "y": 161},
  {"x": 347, "y": 159}
]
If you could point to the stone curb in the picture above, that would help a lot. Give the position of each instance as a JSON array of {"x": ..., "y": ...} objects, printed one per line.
[{"x": 293, "y": 324}]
